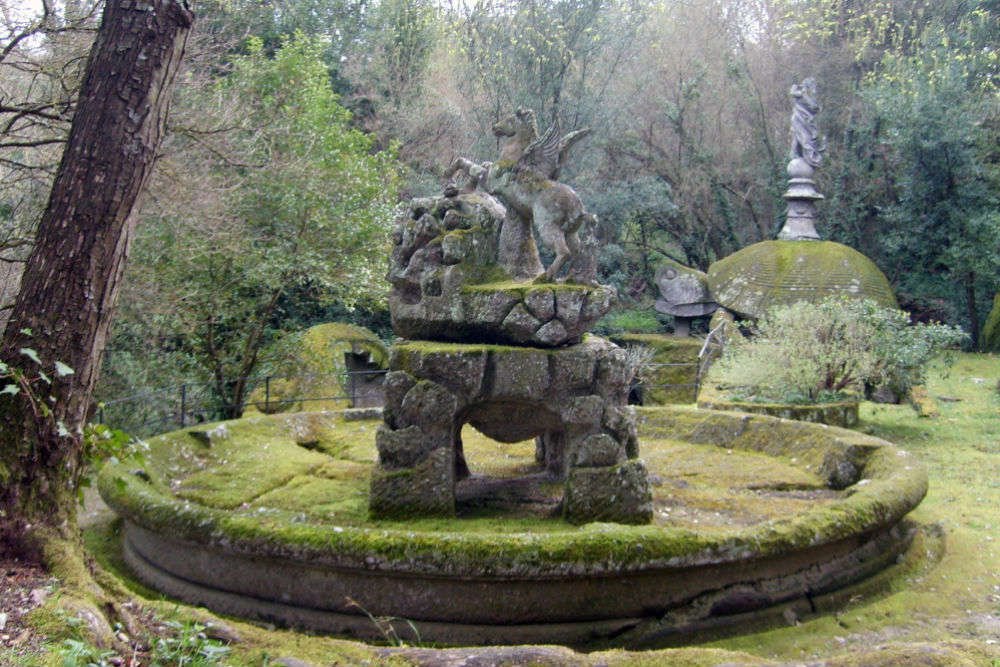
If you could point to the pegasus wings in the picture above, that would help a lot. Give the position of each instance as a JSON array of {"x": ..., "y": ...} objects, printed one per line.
[{"x": 547, "y": 154}]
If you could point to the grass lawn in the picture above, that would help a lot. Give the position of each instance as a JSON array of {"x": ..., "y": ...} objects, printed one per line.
[{"x": 950, "y": 590}]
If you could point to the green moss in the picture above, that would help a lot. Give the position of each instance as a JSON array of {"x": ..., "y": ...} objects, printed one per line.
[
  {"x": 675, "y": 657},
  {"x": 489, "y": 546},
  {"x": 938, "y": 605},
  {"x": 834, "y": 413},
  {"x": 774, "y": 273},
  {"x": 990, "y": 338},
  {"x": 523, "y": 288},
  {"x": 314, "y": 366},
  {"x": 660, "y": 381}
]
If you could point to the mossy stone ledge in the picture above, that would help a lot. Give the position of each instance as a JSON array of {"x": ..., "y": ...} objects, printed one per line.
[
  {"x": 672, "y": 376},
  {"x": 834, "y": 413},
  {"x": 263, "y": 553}
]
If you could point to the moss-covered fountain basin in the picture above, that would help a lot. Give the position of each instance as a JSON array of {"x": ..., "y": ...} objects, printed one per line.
[{"x": 267, "y": 518}]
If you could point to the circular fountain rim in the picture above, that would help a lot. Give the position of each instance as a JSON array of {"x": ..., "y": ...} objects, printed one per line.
[{"x": 839, "y": 543}]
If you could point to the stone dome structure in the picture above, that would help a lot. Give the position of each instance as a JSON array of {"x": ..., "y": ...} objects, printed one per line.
[{"x": 774, "y": 273}]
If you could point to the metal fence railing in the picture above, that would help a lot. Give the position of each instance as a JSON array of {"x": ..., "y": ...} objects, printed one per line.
[{"x": 180, "y": 405}]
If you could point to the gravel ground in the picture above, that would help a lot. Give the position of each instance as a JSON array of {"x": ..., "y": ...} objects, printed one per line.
[{"x": 22, "y": 588}]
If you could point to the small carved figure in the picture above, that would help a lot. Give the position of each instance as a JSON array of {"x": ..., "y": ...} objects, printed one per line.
[
  {"x": 806, "y": 143},
  {"x": 523, "y": 177}
]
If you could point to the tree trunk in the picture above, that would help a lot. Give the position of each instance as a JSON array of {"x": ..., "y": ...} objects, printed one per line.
[
  {"x": 971, "y": 308},
  {"x": 70, "y": 284}
]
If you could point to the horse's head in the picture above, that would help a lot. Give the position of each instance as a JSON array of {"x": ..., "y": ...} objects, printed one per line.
[{"x": 520, "y": 124}]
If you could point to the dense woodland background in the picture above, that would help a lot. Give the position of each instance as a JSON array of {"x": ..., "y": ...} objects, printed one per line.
[{"x": 298, "y": 126}]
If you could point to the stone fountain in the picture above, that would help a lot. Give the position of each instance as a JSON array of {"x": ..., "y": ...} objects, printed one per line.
[
  {"x": 298, "y": 519},
  {"x": 496, "y": 341}
]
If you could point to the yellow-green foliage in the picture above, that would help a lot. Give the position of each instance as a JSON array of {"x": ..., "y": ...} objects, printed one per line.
[
  {"x": 666, "y": 350},
  {"x": 990, "y": 338},
  {"x": 314, "y": 366}
]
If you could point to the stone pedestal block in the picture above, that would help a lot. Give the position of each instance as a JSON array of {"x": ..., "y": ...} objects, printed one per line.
[
  {"x": 572, "y": 399},
  {"x": 616, "y": 493}
]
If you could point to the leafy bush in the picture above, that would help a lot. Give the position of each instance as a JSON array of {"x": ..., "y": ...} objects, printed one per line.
[
  {"x": 635, "y": 320},
  {"x": 811, "y": 352}
]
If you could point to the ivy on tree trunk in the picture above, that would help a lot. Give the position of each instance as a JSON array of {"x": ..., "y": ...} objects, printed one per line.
[{"x": 66, "y": 301}]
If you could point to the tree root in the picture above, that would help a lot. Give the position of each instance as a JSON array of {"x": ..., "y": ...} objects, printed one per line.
[{"x": 88, "y": 593}]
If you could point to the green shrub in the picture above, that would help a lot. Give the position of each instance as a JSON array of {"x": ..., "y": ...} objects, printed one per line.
[
  {"x": 635, "y": 320},
  {"x": 809, "y": 352},
  {"x": 991, "y": 330}
]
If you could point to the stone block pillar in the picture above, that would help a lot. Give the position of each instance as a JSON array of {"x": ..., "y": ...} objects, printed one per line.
[{"x": 573, "y": 399}]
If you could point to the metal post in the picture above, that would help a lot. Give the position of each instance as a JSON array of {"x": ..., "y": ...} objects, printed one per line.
[
  {"x": 267, "y": 394},
  {"x": 183, "y": 402}
]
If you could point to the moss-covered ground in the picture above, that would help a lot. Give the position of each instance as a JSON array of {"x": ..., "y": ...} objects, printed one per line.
[
  {"x": 939, "y": 606},
  {"x": 317, "y": 467},
  {"x": 949, "y": 588}
]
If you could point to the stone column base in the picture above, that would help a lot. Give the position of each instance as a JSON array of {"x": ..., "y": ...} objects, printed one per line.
[{"x": 572, "y": 398}]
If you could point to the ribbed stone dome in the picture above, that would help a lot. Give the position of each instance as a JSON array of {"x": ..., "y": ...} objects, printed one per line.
[{"x": 774, "y": 273}]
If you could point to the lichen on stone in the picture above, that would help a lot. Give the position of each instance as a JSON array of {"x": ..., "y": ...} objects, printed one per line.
[{"x": 772, "y": 273}]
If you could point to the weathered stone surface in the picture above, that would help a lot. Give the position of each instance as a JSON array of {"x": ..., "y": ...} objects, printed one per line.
[
  {"x": 517, "y": 253},
  {"x": 614, "y": 374},
  {"x": 404, "y": 448},
  {"x": 506, "y": 656},
  {"x": 293, "y": 662},
  {"x": 428, "y": 405},
  {"x": 574, "y": 369},
  {"x": 461, "y": 269},
  {"x": 620, "y": 421},
  {"x": 396, "y": 384},
  {"x": 520, "y": 374},
  {"x": 541, "y": 303},
  {"x": 839, "y": 472},
  {"x": 615, "y": 493},
  {"x": 597, "y": 451},
  {"x": 586, "y": 410},
  {"x": 509, "y": 394},
  {"x": 454, "y": 248},
  {"x": 427, "y": 489},
  {"x": 489, "y": 307},
  {"x": 512, "y": 421},
  {"x": 683, "y": 291},
  {"x": 463, "y": 375},
  {"x": 519, "y": 323},
  {"x": 552, "y": 334},
  {"x": 599, "y": 302},
  {"x": 569, "y": 303}
]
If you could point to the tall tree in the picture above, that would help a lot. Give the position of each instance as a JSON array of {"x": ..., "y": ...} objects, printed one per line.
[
  {"x": 41, "y": 63},
  {"x": 292, "y": 201},
  {"x": 55, "y": 338}
]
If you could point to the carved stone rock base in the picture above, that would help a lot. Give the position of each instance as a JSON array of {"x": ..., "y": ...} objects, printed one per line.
[
  {"x": 573, "y": 399},
  {"x": 462, "y": 270}
]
